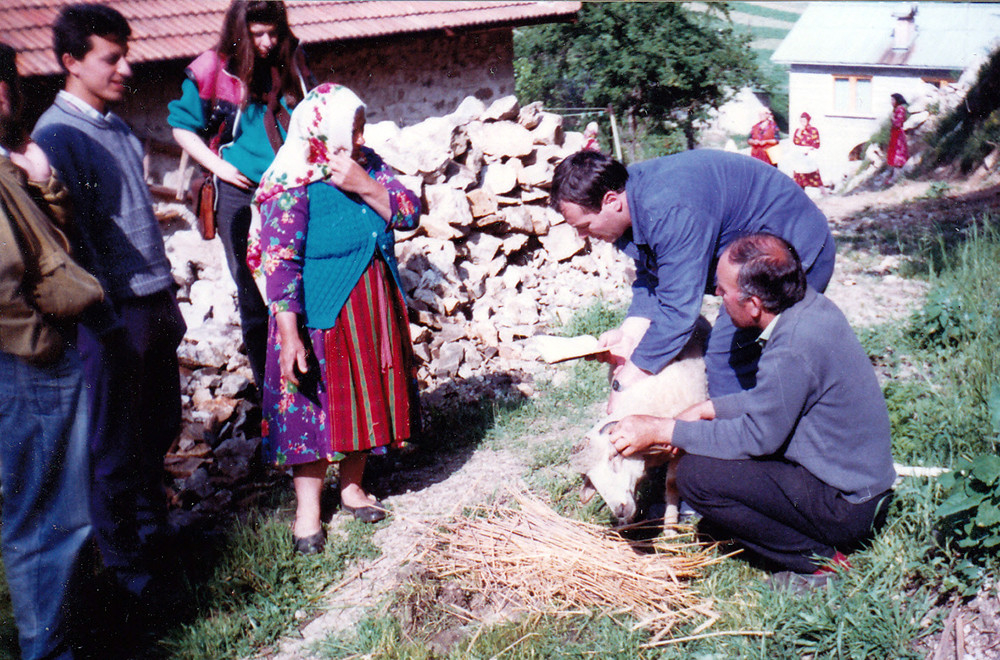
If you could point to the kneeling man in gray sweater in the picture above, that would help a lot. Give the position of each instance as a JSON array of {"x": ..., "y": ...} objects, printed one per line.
[{"x": 797, "y": 470}]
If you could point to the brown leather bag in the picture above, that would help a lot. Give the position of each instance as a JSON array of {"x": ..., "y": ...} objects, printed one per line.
[{"x": 203, "y": 194}]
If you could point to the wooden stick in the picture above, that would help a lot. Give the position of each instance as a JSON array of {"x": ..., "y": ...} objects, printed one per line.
[{"x": 720, "y": 633}]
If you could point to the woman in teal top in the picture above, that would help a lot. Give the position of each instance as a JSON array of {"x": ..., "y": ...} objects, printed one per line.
[
  {"x": 339, "y": 383},
  {"x": 222, "y": 119}
]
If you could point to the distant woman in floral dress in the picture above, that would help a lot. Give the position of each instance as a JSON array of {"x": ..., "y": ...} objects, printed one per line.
[
  {"x": 339, "y": 364},
  {"x": 806, "y": 170},
  {"x": 899, "y": 152},
  {"x": 763, "y": 136}
]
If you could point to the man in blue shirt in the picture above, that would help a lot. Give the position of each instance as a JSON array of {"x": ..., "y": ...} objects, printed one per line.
[{"x": 674, "y": 216}]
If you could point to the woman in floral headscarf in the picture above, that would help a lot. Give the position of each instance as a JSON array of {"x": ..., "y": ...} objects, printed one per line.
[
  {"x": 338, "y": 380},
  {"x": 806, "y": 170}
]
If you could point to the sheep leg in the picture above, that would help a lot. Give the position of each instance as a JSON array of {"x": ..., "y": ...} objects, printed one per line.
[{"x": 673, "y": 499}]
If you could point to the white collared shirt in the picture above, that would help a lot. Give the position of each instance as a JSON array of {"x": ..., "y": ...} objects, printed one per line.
[{"x": 83, "y": 106}]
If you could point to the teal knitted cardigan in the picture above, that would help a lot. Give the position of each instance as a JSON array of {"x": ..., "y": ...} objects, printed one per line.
[{"x": 343, "y": 234}]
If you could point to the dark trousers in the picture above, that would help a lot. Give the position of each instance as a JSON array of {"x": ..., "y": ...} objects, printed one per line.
[
  {"x": 135, "y": 414},
  {"x": 233, "y": 220},
  {"x": 732, "y": 353},
  {"x": 778, "y": 511}
]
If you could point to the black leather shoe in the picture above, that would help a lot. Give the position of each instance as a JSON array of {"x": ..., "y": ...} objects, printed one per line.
[
  {"x": 368, "y": 513},
  {"x": 310, "y": 545}
]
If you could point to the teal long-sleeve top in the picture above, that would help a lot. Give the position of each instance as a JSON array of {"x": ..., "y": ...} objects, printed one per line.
[{"x": 250, "y": 151}]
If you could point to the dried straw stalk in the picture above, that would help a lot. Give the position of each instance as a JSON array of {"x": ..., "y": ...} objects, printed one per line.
[{"x": 540, "y": 562}]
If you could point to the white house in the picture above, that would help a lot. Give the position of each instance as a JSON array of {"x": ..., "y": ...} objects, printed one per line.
[{"x": 847, "y": 58}]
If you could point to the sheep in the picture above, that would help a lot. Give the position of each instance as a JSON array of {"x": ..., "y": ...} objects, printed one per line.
[{"x": 681, "y": 384}]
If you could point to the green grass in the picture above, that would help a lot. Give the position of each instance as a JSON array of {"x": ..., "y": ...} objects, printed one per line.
[
  {"x": 768, "y": 12},
  {"x": 877, "y": 609},
  {"x": 941, "y": 369},
  {"x": 258, "y": 586}
]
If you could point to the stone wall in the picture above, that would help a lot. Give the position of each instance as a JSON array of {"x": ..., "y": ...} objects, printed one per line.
[{"x": 405, "y": 81}]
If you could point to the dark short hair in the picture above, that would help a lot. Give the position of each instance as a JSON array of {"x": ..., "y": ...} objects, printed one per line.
[
  {"x": 770, "y": 269},
  {"x": 77, "y": 23},
  {"x": 12, "y": 133},
  {"x": 584, "y": 177}
]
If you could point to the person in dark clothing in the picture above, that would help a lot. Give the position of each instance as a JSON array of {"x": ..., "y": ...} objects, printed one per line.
[
  {"x": 129, "y": 349},
  {"x": 674, "y": 216},
  {"x": 798, "y": 470}
]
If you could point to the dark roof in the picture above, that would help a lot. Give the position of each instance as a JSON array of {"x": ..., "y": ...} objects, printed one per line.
[{"x": 173, "y": 29}]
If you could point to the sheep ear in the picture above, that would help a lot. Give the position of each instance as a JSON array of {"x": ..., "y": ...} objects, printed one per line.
[{"x": 587, "y": 490}]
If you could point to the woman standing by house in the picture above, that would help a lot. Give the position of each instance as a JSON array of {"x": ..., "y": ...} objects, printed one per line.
[
  {"x": 806, "y": 169},
  {"x": 763, "y": 136},
  {"x": 898, "y": 152},
  {"x": 231, "y": 118},
  {"x": 339, "y": 365}
]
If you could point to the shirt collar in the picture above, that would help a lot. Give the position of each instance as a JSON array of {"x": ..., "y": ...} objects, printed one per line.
[
  {"x": 765, "y": 335},
  {"x": 84, "y": 107},
  {"x": 4, "y": 151}
]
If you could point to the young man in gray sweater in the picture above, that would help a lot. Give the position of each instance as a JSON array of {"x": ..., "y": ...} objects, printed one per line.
[
  {"x": 798, "y": 470},
  {"x": 130, "y": 349}
]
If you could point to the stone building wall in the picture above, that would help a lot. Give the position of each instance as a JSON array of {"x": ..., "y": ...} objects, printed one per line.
[
  {"x": 402, "y": 79},
  {"x": 407, "y": 80}
]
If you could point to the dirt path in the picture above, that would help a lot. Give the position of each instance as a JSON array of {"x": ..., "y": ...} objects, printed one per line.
[{"x": 865, "y": 285}]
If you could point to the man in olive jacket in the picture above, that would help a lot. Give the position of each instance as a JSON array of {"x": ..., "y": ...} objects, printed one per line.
[{"x": 43, "y": 429}]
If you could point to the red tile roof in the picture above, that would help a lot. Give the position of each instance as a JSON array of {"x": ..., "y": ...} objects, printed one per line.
[{"x": 173, "y": 29}]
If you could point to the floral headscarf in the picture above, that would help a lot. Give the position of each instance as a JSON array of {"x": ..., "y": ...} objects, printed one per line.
[{"x": 321, "y": 125}]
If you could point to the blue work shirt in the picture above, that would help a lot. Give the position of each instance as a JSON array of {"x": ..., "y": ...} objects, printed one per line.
[{"x": 685, "y": 209}]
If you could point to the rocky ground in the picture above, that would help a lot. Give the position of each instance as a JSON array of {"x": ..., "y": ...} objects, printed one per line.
[{"x": 866, "y": 285}]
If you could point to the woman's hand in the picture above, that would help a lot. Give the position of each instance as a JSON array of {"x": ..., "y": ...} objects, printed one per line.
[
  {"x": 227, "y": 172},
  {"x": 348, "y": 175},
  {"x": 33, "y": 161},
  {"x": 192, "y": 143},
  {"x": 293, "y": 352}
]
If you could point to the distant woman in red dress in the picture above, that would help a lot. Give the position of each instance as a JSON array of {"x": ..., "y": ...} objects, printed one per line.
[
  {"x": 806, "y": 170},
  {"x": 899, "y": 153},
  {"x": 763, "y": 136}
]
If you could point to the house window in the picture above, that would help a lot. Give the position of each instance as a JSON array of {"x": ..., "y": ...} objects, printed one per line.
[{"x": 852, "y": 95}]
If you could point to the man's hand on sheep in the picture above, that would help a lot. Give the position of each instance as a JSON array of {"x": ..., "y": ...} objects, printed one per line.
[
  {"x": 643, "y": 434},
  {"x": 703, "y": 410},
  {"x": 623, "y": 378}
]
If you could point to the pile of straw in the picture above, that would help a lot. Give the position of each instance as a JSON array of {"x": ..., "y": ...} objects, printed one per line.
[{"x": 534, "y": 560}]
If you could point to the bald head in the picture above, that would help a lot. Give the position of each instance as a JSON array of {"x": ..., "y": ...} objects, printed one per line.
[{"x": 769, "y": 268}]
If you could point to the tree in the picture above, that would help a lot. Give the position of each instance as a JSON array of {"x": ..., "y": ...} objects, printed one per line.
[{"x": 659, "y": 65}]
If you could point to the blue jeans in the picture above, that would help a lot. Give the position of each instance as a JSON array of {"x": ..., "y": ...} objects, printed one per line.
[
  {"x": 233, "y": 218},
  {"x": 44, "y": 472}
]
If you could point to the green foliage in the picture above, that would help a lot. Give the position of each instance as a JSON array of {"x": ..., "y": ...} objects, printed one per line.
[
  {"x": 258, "y": 585},
  {"x": 755, "y": 9},
  {"x": 945, "y": 320},
  {"x": 657, "y": 64},
  {"x": 937, "y": 190},
  {"x": 595, "y": 318},
  {"x": 972, "y": 130},
  {"x": 970, "y": 516}
]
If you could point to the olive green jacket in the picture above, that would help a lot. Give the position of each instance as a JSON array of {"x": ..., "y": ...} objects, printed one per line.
[{"x": 23, "y": 329}]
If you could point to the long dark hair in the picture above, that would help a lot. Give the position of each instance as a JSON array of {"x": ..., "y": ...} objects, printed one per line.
[
  {"x": 12, "y": 130},
  {"x": 898, "y": 98},
  {"x": 236, "y": 44}
]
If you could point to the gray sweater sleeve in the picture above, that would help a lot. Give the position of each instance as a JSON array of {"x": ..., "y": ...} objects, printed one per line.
[{"x": 755, "y": 422}]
